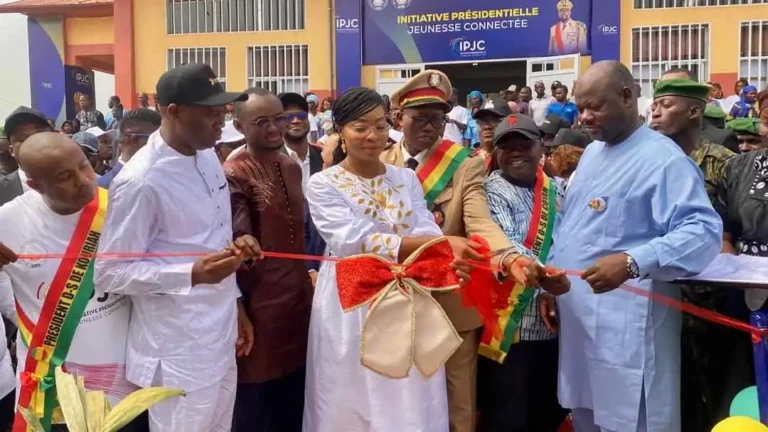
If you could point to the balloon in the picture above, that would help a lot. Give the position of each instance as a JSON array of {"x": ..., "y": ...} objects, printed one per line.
[
  {"x": 740, "y": 424},
  {"x": 745, "y": 404}
]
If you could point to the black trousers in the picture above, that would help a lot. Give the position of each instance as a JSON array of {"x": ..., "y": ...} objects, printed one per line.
[
  {"x": 7, "y": 411},
  {"x": 272, "y": 406},
  {"x": 521, "y": 394}
]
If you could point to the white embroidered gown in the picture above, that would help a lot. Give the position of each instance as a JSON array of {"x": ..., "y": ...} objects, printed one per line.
[{"x": 354, "y": 216}]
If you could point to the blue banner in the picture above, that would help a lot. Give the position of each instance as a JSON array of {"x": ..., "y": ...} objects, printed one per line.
[
  {"x": 605, "y": 35},
  {"x": 409, "y": 31},
  {"x": 348, "y": 47},
  {"x": 79, "y": 82},
  {"x": 46, "y": 71}
]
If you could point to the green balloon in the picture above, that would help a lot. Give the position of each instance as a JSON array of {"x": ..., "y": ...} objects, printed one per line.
[{"x": 745, "y": 404}]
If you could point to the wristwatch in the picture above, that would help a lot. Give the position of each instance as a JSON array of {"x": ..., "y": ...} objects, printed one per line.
[{"x": 632, "y": 268}]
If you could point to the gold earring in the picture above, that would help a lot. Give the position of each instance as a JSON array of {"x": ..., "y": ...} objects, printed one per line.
[{"x": 343, "y": 147}]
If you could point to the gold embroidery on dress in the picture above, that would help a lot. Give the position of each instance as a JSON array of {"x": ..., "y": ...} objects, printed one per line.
[{"x": 382, "y": 204}]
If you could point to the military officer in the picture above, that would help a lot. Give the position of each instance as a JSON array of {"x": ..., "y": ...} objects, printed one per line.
[
  {"x": 454, "y": 187},
  {"x": 567, "y": 36}
]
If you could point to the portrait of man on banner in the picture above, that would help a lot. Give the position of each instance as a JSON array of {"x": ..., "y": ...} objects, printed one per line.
[{"x": 568, "y": 36}]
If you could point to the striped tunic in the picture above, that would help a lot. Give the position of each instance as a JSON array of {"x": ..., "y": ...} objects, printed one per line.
[{"x": 511, "y": 208}]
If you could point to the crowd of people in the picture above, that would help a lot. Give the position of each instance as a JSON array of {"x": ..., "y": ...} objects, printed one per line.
[{"x": 184, "y": 201}]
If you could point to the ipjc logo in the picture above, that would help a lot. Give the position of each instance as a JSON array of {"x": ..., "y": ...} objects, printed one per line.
[
  {"x": 82, "y": 78},
  {"x": 401, "y": 4},
  {"x": 609, "y": 30},
  {"x": 377, "y": 5},
  {"x": 463, "y": 47},
  {"x": 346, "y": 25}
]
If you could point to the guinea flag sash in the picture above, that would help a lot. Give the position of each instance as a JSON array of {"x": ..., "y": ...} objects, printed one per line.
[
  {"x": 49, "y": 340},
  {"x": 496, "y": 341},
  {"x": 436, "y": 172},
  {"x": 559, "y": 38}
]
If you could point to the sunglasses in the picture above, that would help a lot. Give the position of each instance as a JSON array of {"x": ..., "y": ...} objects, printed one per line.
[
  {"x": 300, "y": 116},
  {"x": 121, "y": 135}
]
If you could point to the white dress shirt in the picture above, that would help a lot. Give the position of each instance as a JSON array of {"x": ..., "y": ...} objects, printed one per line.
[
  {"x": 23, "y": 179},
  {"x": 165, "y": 202},
  {"x": 304, "y": 164},
  {"x": 452, "y": 132},
  {"x": 407, "y": 155},
  {"x": 539, "y": 107}
]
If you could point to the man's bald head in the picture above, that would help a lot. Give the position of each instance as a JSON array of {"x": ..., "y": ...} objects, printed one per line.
[
  {"x": 611, "y": 75},
  {"x": 42, "y": 150},
  {"x": 57, "y": 168},
  {"x": 607, "y": 101}
]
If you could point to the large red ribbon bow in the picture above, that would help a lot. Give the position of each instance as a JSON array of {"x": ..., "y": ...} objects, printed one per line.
[{"x": 404, "y": 326}]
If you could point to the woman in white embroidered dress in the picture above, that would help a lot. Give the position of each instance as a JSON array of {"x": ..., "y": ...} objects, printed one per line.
[{"x": 361, "y": 205}]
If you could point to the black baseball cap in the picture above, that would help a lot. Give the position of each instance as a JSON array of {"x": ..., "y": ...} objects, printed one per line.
[
  {"x": 193, "y": 84},
  {"x": 569, "y": 136},
  {"x": 552, "y": 125},
  {"x": 22, "y": 115},
  {"x": 495, "y": 106},
  {"x": 294, "y": 99},
  {"x": 519, "y": 124}
]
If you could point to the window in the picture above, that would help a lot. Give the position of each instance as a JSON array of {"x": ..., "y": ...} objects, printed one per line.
[
  {"x": 753, "y": 55},
  {"x": 658, "y": 4},
  {"x": 658, "y": 48},
  {"x": 279, "y": 68},
  {"x": 215, "y": 57},
  {"x": 221, "y": 16}
]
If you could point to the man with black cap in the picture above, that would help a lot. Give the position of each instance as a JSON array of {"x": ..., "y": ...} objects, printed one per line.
[
  {"x": 172, "y": 198},
  {"x": 459, "y": 205},
  {"x": 551, "y": 126},
  {"x": 22, "y": 123},
  {"x": 523, "y": 201},
  {"x": 487, "y": 118},
  {"x": 564, "y": 152}
]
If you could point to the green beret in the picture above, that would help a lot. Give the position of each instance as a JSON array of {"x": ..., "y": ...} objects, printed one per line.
[
  {"x": 744, "y": 126},
  {"x": 714, "y": 112},
  {"x": 681, "y": 87}
]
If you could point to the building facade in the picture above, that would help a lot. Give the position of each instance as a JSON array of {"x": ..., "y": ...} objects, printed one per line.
[{"x": 289, "y": 45}]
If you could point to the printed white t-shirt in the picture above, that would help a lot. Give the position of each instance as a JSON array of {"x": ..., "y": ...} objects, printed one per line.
[{"x": 98, "y": 348}]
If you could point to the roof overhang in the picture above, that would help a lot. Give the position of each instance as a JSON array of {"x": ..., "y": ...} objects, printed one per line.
[{"x": 66, "y": 8}]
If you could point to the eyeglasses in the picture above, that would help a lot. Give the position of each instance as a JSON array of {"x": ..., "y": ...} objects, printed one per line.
[
  {"x": 381, "y": 128},
  {"x": 436, "y": 121},
  {"x": 279, "y": 121},
  {"x": 300, "y": 116}
]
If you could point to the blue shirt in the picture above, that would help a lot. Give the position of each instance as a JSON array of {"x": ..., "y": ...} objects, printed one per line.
[
  {"x": 646, "y": 198},
  {"x": 105, "y": 180},
  {"x": 472, "y": 133},
  {"x": 568, "y": 112}
]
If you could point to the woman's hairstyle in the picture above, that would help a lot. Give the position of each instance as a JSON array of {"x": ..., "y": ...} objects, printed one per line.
[
  {"x": 329, "y": 100},
  {"x": 350, "y": 106}
]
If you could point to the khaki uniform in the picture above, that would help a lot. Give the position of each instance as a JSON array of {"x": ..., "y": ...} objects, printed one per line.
[
  {"x": 465, "y": 207},
  {"x": 573, "y": 35}
]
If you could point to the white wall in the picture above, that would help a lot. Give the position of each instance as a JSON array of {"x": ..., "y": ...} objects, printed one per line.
[
  {"x": 14, "y": 72},
  {"x": 103, "y": 87}
]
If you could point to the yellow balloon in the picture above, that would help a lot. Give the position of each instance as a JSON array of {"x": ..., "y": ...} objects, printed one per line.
[{"x": 740, "y": 424}]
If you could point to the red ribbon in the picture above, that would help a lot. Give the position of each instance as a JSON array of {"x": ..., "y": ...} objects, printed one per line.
[
  {"x": 361, "y": 278},
  {"x": 482, "y": 270}
]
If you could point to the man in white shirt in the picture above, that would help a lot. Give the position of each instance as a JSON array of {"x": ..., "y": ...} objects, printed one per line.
[
  {"x": 172, "y": 202},
  {"x": 539, "y": 105},
  {"x": 56, "y": 304},
  {"x": 643, "y": 104},
  {"x": 133, "y": 133},
  {"x": 458, "y": 118}
]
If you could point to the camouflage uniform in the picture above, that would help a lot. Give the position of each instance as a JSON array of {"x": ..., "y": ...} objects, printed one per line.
[{"x": 702, "y": 380}]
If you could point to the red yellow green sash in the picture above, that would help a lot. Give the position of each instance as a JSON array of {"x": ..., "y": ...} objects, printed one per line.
[
  {"x": 496, "y": 342},
  {"x": 436, "y": 172},
  {"x": 49, "y": 340}
]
